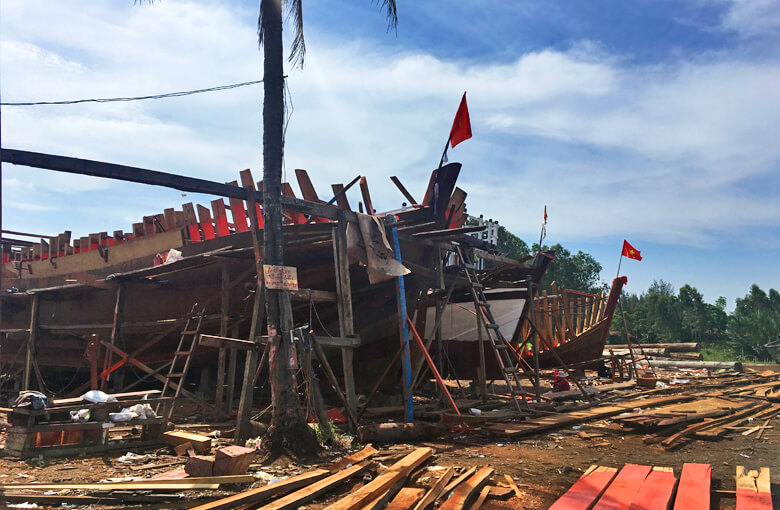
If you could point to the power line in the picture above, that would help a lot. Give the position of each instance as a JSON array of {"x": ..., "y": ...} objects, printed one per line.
[{"x": 137, "y": 98}]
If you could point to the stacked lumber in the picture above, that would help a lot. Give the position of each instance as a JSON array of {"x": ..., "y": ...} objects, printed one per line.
[{"x": 653, "y": 488}]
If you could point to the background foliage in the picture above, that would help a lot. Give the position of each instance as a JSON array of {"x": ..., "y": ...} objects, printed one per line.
[{"x": 663, "y": 314}]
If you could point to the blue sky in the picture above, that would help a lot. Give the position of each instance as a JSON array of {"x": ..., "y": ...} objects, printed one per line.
[{"x": 650, "y": 120}]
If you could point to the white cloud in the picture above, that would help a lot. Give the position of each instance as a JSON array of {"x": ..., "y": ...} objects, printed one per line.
[
  {"x": 753, "y": 17},
  {"x": 663, "y": 152}
]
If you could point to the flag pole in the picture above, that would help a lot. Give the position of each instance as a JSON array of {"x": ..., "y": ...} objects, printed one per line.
[
  {"x": 446, "y": 146},
  {"x": 619, "y": 262}
]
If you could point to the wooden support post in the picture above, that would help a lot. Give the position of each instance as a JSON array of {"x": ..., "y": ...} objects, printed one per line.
[
  {"x": 31, "y": 339},
  {"x": 344, "y": 292},
  {"x": 258, "y": 315},
  {"x": 482, "y": 370},
  {"x": 535, "y": 336},
  {"x": 116, "y": 331},
  {"x": 231, "y": 374},
  {"x": 93, "y": 350},
  {"x": 440, "y": 304},
  {"x": 219, "y": 399}
]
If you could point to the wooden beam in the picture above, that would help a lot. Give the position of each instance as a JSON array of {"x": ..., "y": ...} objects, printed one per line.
[
  {"x": 405, "y": 499},
  {"x": 257, "y": 496},
  {"x": 366, "y": 196},
  {"x": 403, "y": 190},
  {"x": 383, "y": 482},
  {"x": 464, "y": 492},
  {"x": 156, "y": 178},
  {"x": 303, "y": 496},
  {"x": 228, "y": 343},
  {"x": 437, "y": 490}
]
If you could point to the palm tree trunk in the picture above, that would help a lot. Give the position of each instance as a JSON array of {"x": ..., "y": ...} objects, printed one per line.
[{"x": 288, "y": 425}]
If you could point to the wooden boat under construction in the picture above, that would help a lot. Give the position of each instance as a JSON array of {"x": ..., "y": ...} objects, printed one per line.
[
  {"x": 573, "y": 326},
  {"x": 61, "y": 295}
]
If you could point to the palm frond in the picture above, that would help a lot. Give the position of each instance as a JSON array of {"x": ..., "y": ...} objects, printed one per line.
[
  {"x": 392, "y": 13},
  {"x": 260, "y": 25},
  {"x": 298, "y": 48}
]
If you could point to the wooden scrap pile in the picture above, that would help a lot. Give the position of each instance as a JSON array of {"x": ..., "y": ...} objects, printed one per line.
[
  {"x": 359, "y": 484},
  {"x": 638, "y": 487},
  {"x": 361, "y": 480}
]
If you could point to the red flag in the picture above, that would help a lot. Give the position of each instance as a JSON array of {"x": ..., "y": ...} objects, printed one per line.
[
  {"x": 631, "y": 252},
  {"x": 461, "y": 126}
]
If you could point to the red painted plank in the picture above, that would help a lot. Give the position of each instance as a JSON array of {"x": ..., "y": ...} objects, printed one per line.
[
  {"x": 238, "y": 211},
  {"x": 624, "y": 488},
  {"x": 295, "y": 217},
  {"x": 205, "y": 222},
  {"x": 656, "y": 493},
  {"x": 754, "y": 489},
  {"x": 220, "y": 217},
  {"x": 247, "y": 181},
  {"x": 693, "y": 492},
  {"x": 586, "y": 490},
  {"x": 191, "y": 221}
]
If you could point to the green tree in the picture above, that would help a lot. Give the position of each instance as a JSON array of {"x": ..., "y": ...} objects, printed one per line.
[
  {"x": 511, "y": 245},
  {"x": 755, "y": 322},
  {"x": 577, "y": 272}
]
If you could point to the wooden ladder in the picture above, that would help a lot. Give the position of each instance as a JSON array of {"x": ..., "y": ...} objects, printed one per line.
[
  {"x": 500, "y": 346},
  {"x": 180, "y": 364}
]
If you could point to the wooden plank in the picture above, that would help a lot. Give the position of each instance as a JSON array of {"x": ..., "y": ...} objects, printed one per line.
[
  {"x": 623, "y": 488},
  {"x": 307, "y": 188},
  {"x": 238, "y": 211},
  {"x": 513, "y": 486},
  {"x": 191, "y": 221},
  {"x": 259, "y": 495},
  {"x": 230, "y": 343},
  {"x": 220, "y": 217},
  {"x": 384, "y": 481},
  {"x": 585, "y": 491},
  {"x": 403, "y": 190},
  {"x": 657, "y": 490},
  {"x": 247, "y": 181},
  {"x": 405, "y": 499},
  {"x": 693, "y": 491},
  {"x": 159, "y": 485},
  {"x": 295, "y": 217},
  {"x": 460, "y": 479},
  {"x": 201, "y": 444},
  {"x": 753, "y": 489},
  {"x": 364, "y": 454},
  {"x": 484, "y": 493},
  {"x": 306, "y": 494},
  {"x": 341, "y": 198},
  {"x": 437, "y": 490},
  {"x": 464, "y": 492},
  {"x": 366, "y": 196},
  {"x": 205, "y": 222}
]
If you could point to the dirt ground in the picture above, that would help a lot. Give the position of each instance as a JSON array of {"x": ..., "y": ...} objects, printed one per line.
[{"x": 543, "y": 466}]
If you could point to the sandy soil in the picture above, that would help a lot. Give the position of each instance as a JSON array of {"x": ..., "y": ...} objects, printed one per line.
[{"x": 543, "y": 466}]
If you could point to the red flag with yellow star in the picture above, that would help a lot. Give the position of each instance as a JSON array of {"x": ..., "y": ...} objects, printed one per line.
[
  {"x": 631, "y": 252},
  {"x": 461, "y": 126}
]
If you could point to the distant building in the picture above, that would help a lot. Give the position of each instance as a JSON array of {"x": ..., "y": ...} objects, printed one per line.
[{"x": 490, "y": 234}]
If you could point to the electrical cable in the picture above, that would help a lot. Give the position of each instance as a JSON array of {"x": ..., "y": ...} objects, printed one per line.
[{"x": 136, "y": 98}]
